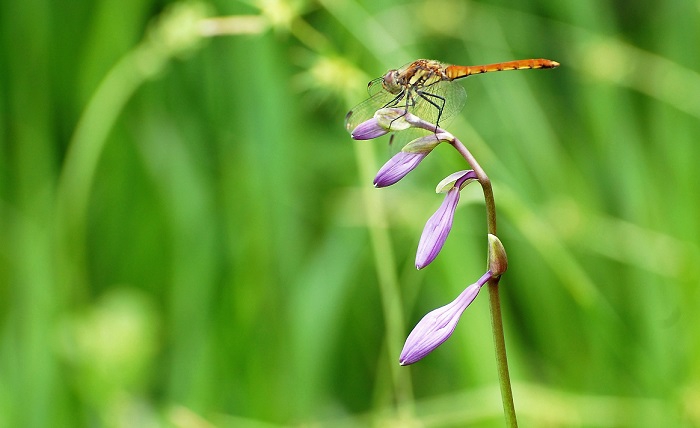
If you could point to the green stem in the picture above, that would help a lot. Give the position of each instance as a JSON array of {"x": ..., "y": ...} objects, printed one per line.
[
  {"x": 494, "y": 298},
  {"x": 499, "y": 342},
  {"x": 82, "y": 157},
  {"x": 485, "y": 185},
  {"x": 180, "y": 29}
]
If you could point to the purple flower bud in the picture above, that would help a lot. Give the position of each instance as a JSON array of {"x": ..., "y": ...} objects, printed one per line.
[
  {"x": 397, "y": 167},
  {"x": 456, "y": 179},
  {"x": 436, "y": 230},
  {"x": 437, "y": 325},
  {"x": 368, "y": 130},
  {"x": 439, "y": 225},
  {"x": 406, "y": 160}
]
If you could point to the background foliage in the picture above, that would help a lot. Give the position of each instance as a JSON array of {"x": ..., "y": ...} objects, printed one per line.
[{"x": 190, "y": 238}]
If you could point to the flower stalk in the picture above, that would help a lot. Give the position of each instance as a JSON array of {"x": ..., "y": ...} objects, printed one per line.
[
  {"x": 437, "y": 326},
  {"x": 494, "y": 297}
]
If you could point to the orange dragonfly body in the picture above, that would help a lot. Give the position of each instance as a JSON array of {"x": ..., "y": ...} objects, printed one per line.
[{"x": 425, "y": 88}]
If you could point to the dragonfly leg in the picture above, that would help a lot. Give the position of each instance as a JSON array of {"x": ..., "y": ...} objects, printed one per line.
[
  {"x": 427, "y": 96},
  {"x": 395, "y": 102}
]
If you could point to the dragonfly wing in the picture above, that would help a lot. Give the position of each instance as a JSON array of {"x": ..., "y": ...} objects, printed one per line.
[
  {"x": 455, "y": 97},
  {"x": 447, "y": 95},
  {"x": 366, "y": 109}
]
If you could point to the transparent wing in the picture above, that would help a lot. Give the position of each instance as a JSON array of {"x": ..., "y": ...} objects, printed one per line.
[
  {"x": 425, "y": 102},
  {"x": 446, "y": 95},
  {"x": 379, "y": 98}
]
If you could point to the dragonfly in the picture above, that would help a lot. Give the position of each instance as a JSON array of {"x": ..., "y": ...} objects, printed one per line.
[{"x": 426, "y": 88}]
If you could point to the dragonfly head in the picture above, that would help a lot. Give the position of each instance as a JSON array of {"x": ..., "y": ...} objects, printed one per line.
[{"x": 390, "y": 82}]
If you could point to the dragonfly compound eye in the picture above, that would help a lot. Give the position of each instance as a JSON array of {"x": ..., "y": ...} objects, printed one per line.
[{"x": 390, "y": 82}]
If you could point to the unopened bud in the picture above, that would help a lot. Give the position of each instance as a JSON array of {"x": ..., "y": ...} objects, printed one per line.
[{"x": 498, "y": 260}]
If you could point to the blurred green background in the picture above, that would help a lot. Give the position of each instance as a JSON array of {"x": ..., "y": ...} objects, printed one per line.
[{"x": 191, "y": 239}]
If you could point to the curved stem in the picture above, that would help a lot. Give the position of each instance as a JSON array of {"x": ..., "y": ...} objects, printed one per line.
[
  {"x": 485, "y": 184},
  {"x": 499, "y": 340},
  {"x": 82, "y": 157},
  {"x": 494, "y": 298}
]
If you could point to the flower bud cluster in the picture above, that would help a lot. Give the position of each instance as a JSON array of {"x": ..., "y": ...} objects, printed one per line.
[{"x": 437, "y": 326}]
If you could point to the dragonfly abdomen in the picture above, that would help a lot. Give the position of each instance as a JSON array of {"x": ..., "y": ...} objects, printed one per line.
[{"x": 459, "y": 71}]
